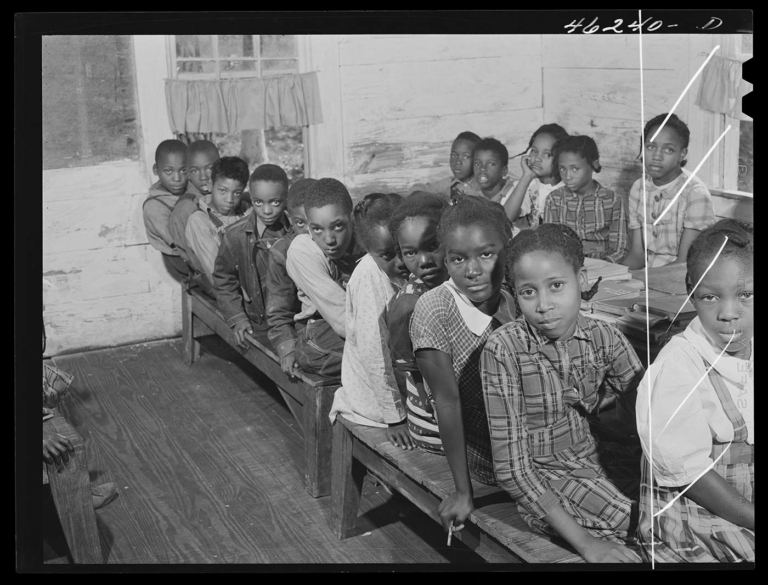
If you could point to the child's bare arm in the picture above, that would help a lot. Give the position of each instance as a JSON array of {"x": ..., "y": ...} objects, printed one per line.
[
  {"x": 715, "y": 494},
  {"x": 593, "y": 550},
  {"x": 437, "y": 368},
  {"x": 515, "y": 201},
  {"x": 685, "y": 242},
  {"x": 635, "y": 259}
]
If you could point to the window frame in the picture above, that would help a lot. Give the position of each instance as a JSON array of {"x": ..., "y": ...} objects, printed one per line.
[
  {"x": 728, "y": 182},
  {"x": 216, "y": 59}
]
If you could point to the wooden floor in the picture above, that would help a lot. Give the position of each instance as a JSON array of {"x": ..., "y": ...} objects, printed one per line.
[{"x": 208, "y": 461}]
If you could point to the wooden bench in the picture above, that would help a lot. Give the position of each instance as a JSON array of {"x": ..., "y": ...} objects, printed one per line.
[
  {"x": 309, "y": 398},
  {"x": 71, "y": 491},
  {"x": 495, "y": 530}
]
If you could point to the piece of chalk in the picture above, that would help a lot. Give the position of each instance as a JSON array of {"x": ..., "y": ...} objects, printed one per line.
[{"x": 450, "y": 533}]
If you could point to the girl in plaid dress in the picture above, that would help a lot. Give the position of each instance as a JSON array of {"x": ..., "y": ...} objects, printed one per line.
[
  {"x": 695, "y": 414},
  {"x": 449, "y": 327},
  {"x": 543, "y": 376}
]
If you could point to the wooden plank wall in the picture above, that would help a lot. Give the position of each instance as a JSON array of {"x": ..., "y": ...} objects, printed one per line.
[
  {"x": 406, "y": 97},
  {"x": 103, "y": 284},
  {"x": 592, "y": 86}
]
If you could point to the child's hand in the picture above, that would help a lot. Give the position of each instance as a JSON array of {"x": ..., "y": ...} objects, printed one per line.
[
  {"x": 455, "y": 509},
  {"x": 602, "y": 551},
  {"x": 239, "y": 331},
  {"x": 525, "y": 164},
  {"x": 290, "y": 366},
  {"x": 56, "y": 449},
  {"x": 399, "y": 436}
]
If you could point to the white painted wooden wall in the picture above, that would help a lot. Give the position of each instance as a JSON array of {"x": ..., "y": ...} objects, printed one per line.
[
  {"x": 392, "y": 104},
  {"x": 103, "y": 284}
]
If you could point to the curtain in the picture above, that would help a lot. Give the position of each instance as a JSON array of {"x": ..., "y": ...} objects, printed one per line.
[
  {"x": 722, "y": 86},
  {"x": 253, "y": 103}
]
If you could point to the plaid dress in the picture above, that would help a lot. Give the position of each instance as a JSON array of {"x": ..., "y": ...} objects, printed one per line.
[
  {"x": 600, "y": 220},
  {"x": 692, "y": 210},
  {"x": 538, "y": 394},
  {"x": 438, "y": 324},
  {"x": 419, "y": 404},
  {"x": 687, "y": 532}
]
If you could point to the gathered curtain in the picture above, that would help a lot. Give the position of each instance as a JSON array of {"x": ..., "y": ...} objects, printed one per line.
[
  {"x": 722, "y": 86},
  {"x": 251, "y": 103}
]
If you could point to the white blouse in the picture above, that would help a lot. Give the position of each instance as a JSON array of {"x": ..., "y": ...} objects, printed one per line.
[
  {"x": 369, "y": 394},
  {"x": 685, "y": 413}
]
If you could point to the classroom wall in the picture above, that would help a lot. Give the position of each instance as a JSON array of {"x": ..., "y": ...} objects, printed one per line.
[{"x": 405, "y": 97}]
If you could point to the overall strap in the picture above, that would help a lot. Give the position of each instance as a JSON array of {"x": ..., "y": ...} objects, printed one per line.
[
  {"x": 220, "y": 227},
  {"x": 739, "y": 450},
  {"x": 157, "y": 198}
]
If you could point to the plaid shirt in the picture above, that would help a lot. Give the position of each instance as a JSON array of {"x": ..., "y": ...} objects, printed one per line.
[
  {"x": 437, "y": 324},
  {"x": 537, "y": 393},
  {"x": 692, "y": 210},
  {"x": 599, "y": 218}
]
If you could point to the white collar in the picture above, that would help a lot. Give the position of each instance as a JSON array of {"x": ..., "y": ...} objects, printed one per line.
[
  {"x": 476, "y": 320},
  {"x": 728, "y": 366}
]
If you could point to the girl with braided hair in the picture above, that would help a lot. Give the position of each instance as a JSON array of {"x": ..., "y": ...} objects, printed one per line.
[
  {"x": 695, "y": 413},
  {"x": 543, "y": 377}
]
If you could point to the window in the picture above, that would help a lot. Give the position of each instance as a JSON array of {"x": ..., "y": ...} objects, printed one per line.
[
  {"x": 746, "y": 160},
  {"x": 231, "y": 56},
  {"x": 89, "y": 100}
]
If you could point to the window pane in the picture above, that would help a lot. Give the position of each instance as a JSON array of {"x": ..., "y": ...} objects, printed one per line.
[
  {"x": 194, "y": 46},
  {"x": 279, "y": 66},
  {"x": 89, "y": 102},
  {"x": 185, "y": 67},
  {"x": 746, "y": 161},
  {"x": 233, "y": 66},
  {"x": 278, "y": 46},
  {"x": 236, "y": 46},
  {"x": 746, "y": 44},
  {"x": 285, "y": 146}
]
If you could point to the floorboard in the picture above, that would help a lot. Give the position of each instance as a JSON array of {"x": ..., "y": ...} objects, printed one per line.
[{"x": 209, "y": 464}]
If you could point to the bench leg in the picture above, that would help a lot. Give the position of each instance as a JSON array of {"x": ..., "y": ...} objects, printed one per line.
[
  {"x": 346, "y": 484},
  {"x": 191, "y": 345},
  {"x": 318, "y": 438},
  {"x": 71, "y": 490}
]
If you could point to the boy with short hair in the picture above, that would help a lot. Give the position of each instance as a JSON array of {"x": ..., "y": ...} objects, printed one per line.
[
  {"x": 240, "y": 270},
  {"x": 461, "y": 166},
  {"x": 490, "y": 162},
  {"x": 201, "y": 155},
  {"x": 320, "y": 264},
  {"x": 171, "y": 169},
  {"x": 220, "y": 209},
  {"x": 282, "y": 298}
]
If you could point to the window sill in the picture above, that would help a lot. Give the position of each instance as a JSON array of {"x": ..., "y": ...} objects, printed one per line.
[{"x": 731, "y": 194}]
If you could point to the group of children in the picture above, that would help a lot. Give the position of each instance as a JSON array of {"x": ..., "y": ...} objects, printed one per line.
[{"x": 451, "y": 317}]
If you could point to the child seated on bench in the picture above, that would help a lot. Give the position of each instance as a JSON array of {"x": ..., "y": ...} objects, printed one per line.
[
  {"x": 668, "y": 240},
  {"x": 542, "y": 377},
  {"x": 414, "y": 230},
  {"x": 171, "y": 170},
  {"x": 282, "y": 298},
  {"x": 595, "y": 213},
  {"x": 369, "y": 393},
  {"x": 702, "y": 412},
  {"x": 320, "y": 264},
  {"x": 461, "y": 167},
  {"x": 201, "y": 155},
  {"x": 449, "y": 327},
  {"x": 525, "y": 204},
  {"x": 243, "y": 256},
  {"x": 216, "y": 212}
]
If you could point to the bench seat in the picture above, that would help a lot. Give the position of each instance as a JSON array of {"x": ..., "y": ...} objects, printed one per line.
[
  {"x": 495, "y": 531},
  {"x": 308, "y": 397}
]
